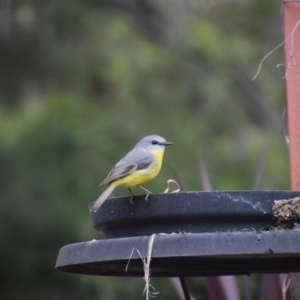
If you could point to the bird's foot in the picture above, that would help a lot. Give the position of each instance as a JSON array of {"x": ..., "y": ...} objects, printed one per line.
[
  {"x": 148, "y": 193},
  {"x": 131, "y": 197},
  {"x": 131, "y": 200},
  {"x": 147, "y": 196}
]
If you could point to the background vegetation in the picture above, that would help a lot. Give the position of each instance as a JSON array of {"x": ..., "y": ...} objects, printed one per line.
[{"x": 82, "y": 81}]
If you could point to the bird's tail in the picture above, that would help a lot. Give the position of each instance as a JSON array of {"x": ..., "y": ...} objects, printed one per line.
[{"x": 102, "y": 198}]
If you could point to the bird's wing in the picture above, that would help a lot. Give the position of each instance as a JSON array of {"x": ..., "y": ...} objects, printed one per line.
[
  {"x": 119, "y": 172},
  {"x": 134, "y": 160}
]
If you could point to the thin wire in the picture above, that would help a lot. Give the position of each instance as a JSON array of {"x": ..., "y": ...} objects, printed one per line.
[{"x": 185, "y": 289}]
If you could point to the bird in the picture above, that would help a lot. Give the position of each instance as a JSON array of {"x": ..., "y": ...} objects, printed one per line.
[{"x": 140, "y": 165}]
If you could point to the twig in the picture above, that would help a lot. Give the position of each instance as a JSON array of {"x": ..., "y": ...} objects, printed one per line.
[
  {"x": 266, "y": 56},
  {"x": 149, "y": 294},
  {"x": 285, "y": 285},
  {"x": 260, "y": 167},
  {"x": 138, "y": 252},
  {"x": 290, "y": 65},
  {"x": 285, "y": 135},
  {"x": 146, "y": 266},
  {"x": 204, "y": 176},
  {"x": 168, "y": 186}
]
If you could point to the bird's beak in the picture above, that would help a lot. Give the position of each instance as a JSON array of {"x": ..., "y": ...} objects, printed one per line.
[{"x": 166, "y": 143}]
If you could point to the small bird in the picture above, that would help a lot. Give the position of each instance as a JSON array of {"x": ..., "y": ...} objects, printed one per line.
[{"x": 137, "y": 167}]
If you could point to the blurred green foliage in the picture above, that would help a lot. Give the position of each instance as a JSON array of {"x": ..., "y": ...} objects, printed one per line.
[{"x": 83, "y": 81}]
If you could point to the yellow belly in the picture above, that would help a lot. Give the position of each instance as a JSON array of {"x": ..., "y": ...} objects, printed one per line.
[{"x": 140, "y": 177}]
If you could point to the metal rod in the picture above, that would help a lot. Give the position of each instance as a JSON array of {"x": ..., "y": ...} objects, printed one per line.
[
  {"x": 292, "y": 49},
  {"x": 185, "y": 288}
]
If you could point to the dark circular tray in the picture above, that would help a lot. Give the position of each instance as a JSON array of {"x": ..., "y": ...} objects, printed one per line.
[
  {"x": 198, "y": 254},
  {"x": 203, "y": 234},
  {"x": 192, "y": 212}
]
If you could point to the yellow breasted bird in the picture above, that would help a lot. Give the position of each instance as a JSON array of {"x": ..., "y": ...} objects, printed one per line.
[{"x": 137, "y": 167}]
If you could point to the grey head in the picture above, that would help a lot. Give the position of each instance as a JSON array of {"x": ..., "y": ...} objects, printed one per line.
[{"x": 153, "y": 142}]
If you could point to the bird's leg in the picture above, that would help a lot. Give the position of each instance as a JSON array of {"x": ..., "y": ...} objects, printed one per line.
[
  {"x": 148, "y": 192},
  {"x": 131, "y": 196}
]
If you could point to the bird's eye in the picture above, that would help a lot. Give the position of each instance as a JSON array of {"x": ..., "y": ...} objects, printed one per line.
[{"x": 154, "y": 142}]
